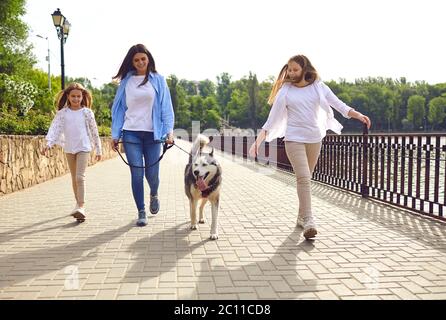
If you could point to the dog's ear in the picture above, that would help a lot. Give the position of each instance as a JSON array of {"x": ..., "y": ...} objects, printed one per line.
[{"x": 212, "y": 152}]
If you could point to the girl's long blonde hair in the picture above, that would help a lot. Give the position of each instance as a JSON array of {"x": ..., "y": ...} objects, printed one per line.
[
  {"x": 62, "y": 97},
  {"x": 309, "y": 72}
]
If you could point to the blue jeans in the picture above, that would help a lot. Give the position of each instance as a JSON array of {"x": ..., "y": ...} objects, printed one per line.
[{"x": 139, "y": 145}]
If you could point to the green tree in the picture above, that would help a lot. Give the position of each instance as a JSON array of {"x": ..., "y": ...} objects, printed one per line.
[
  {"x": 237, "y": 112},
  {"x": 415, "y": 110},
  {"x": 172, "y": 83},
  {"x": 206, "y": 88},
  {"x": 211, "y": 117},
  {"x": 224, "y": 91},
  {"x": 264, "y": 92},
  {"x": 253, "y": 101},
  {"x": 15, "y": 54},
  {"x": 191, "y": 87},
  {"x": 437, "y": 111}
]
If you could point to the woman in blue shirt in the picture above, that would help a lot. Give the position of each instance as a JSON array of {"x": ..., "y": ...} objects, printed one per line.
[{"x": 142, "y": 116}]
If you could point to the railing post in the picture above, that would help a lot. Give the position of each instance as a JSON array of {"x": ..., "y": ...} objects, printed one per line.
[
  {"x": 255, "y": 158},
  {"x": 365, "y": 158},
  {"x": 233, "y": 145}
]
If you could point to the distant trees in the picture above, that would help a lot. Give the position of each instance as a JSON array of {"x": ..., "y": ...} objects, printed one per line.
[
  {"x": 393, "y": 105},
  {"x": 27, "y": 106},
  {"x": 437, "y": 111}
]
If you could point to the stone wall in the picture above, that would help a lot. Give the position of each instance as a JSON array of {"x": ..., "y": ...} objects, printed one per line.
[{"x": 22, "y": 165}]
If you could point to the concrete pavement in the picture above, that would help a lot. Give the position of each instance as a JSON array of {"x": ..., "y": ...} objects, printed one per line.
[{"x": 364, "y": 249}]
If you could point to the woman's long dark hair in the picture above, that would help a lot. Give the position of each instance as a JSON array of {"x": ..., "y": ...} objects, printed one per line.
[{"x": 127, "y": 64}]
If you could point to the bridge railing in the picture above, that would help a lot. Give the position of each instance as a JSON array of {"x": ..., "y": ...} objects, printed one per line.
[{"x": 405, "y": 170}]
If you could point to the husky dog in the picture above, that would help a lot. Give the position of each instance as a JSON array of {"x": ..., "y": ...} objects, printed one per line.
[{"x": 202, "y": 181}]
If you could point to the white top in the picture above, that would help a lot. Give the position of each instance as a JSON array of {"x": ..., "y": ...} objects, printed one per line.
[
  {"x": 74, "y": 131},
  {"x": 304, "y": 114},
  {"x": 76, "y": 135},
  {"x": 139, "y": 100}
]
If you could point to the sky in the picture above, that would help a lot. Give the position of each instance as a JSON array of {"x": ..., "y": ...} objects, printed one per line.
[{"x": 200, "y": 39}]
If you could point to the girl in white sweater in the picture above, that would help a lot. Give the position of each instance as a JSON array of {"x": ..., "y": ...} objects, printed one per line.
[
  {"x": 301, "y": 113},
  {"x": 74, "y": 129}
]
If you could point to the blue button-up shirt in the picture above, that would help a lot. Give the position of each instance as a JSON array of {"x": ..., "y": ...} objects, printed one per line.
[{"x": 162, "y": 111}]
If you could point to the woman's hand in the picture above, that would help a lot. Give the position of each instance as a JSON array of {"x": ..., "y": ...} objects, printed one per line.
[
  {"x": 254, "y": 149},
  {"x": 115, "y": 144},
  {"x": 358, "y": 115},
  {"x": 98, "y": 157},
  {"x": 169, "y": 139},
  {"x": 364, "y": 119}
]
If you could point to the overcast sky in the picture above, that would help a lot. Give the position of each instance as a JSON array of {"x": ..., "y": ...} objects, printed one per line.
[{"x": 200, "y": 39}]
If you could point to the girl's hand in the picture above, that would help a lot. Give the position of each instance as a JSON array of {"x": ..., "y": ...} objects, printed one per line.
[
  {"x": 365, "y": 119},
  {"x": 98, "y": 157},
  {"x": 254, "y": 149},
  {"x": 115, "y": 144},
  {"x": 44, "y": 151}
]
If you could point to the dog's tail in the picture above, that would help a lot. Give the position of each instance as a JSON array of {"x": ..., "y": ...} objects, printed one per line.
[{"x": 200, "y": 142}]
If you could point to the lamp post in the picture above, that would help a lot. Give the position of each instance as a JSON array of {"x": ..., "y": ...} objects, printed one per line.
[
  {"x": 47, "y": 59},
  {"x": 63, "y": 28}
]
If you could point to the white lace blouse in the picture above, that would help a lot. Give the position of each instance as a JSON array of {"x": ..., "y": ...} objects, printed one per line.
[{"x": 56, "y": 132}]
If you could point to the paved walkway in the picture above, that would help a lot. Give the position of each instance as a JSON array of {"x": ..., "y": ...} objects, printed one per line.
[{"x": 364, "y": 249}]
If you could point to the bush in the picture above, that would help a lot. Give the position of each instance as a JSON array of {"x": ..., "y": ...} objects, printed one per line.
[
  {"x": 11, "y": 122},
  {"x": 8, "y": 125},
  {"x": 104, "y": 131},
  {"x": 17, "y": 93},
  {"x": 40, "y": 124}
]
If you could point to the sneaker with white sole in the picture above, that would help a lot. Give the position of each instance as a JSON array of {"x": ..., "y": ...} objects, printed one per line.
[
  {"x": 142, "y": 220},
  {"x": 79, "y": 214},
  {"x": 154, "y": 204},
  {"x": 309, "y": 228},
  {"x": 76, "y": 207}
]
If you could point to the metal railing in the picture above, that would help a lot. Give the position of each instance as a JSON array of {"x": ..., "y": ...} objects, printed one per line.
[{"x": 405, "y": 170}]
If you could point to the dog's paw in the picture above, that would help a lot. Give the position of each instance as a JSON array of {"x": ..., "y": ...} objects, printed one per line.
[
  {"x": 193, "y": 227},
  {"x": 201, "y": 221},
  {"x": 214, "y": 236}
]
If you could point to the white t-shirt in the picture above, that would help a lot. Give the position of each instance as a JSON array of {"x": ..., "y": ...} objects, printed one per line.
[
  {"x": 139, "y": 100},
  {"x": 303, "y": 105},
  {"x": 297, "y": 113},
  {"x": 75, "y": 132}
]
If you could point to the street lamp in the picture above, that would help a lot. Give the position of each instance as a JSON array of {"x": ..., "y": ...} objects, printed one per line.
[
  {"x": 47, "y": 59},
  {"x": 63, "y": 28}
]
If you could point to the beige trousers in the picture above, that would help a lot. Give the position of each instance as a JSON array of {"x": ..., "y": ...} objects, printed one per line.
[
  {"x": 78, "y": 164},
  {"x": 303, "y": 158}
]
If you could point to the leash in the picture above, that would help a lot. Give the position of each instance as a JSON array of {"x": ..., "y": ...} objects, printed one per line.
[
  {"x": 165, "y": 148},
  {"x": 188, "y": 153}
]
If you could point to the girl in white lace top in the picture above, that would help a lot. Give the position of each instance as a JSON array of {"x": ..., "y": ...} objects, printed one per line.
[
  {"x": 74, "y": 129},
  {"x": 301, "y": 113}
]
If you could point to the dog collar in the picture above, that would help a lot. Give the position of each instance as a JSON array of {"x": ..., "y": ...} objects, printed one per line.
[{"x": 206, "y": 192}]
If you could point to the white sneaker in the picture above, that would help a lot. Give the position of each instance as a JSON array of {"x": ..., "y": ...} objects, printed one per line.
[
  {"x": 75, "y": 209},
  {"x": 79, "y": 214},
  {"x": 309, "y": 228}
]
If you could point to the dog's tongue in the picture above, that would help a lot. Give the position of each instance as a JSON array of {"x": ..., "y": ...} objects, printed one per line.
[{"x": 201, "y": 184}]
